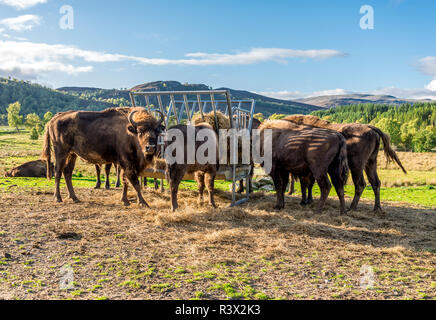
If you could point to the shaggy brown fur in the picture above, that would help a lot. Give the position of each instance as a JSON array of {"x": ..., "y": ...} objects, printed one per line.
[
  {"x": 100, "y": 138},
  {"x": 204, "y": 173},
  {"x": 35, "y": 169},
  {"x": 363, "y": 142},
  {"x": 305, "y": 151},
  {"x": 209, "y": 118}
]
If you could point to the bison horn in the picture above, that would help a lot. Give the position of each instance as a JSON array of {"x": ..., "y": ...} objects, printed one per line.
[
  {"x": 162, "y": 117},
  {"x": 131, "y": 119}
]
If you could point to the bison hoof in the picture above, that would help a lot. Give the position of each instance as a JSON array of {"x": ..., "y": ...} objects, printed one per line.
[
  {"x": 97, "y": 187},
  {"x": 278, "y": 207},
  {"x": 378, "y": 211},
  {"x": 59, "y": 200},
  {"x": 303, "y": 203},
  {"x": 125, "y": 202},
  {"x": 75, "y": 200},
  {"x": 143, "y": 204}
]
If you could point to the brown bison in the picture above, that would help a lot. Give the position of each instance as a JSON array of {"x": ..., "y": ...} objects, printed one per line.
[
  {"x": 109, "y": 136},
  {"x": 304, "y": 151},
  {"x": 363, "y": 143},
  {"x": 107, "y": 169},
  {"x": 204, "y": 173},
  {"x": 37, "y": 169}
]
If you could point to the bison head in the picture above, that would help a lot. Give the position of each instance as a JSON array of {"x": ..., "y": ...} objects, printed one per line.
[{"x": 147, "y": 129}]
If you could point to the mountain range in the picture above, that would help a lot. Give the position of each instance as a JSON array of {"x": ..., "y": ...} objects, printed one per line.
[
  {"x": 38, "y": 99},
  {"x": 356, "y": 98}
]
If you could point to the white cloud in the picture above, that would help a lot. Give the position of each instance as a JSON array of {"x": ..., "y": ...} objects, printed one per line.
[
  {"x": 427, "y": 65},
  {"x": 31, "y": 59},
  {"x": 22, "y": 4},
  {"x": 407, "y": 93},
  {"x": 431, "y": 86},
  {"x": 21, "y": 23}
]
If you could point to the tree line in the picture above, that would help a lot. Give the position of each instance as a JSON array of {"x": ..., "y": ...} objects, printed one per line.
[{"x": 412, "y": 127}]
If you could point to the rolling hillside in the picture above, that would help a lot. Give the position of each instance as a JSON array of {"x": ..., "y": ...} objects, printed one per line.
[
  {"x": 265, "y": 105},
  {"x": 349, "y": 99},
  {"x": 35, "y": 98}
]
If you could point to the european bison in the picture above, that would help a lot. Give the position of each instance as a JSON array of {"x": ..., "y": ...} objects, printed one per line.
[
  {"x": 363, "y": 143},
  {"x": 35, "y": 169},
  {"x": 107, "y": 169},
  {"x": 204, "y": 173},
  {"x": 303, "y": 150},
  {"x": 109, "y": 136}
]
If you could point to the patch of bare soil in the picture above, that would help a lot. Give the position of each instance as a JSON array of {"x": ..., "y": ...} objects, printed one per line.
[{"x": 99, "y": 249}]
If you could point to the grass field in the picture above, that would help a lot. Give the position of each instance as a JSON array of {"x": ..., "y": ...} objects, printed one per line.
[{"x": 247, "y": 252}]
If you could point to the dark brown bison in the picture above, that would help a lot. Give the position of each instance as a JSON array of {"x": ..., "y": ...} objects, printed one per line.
[
  {"x": 107, "y": 169},
  {"x": 204, "y": 173},
  {"x": 363, "y": 143},
  {"x": 109, "y": 136},
  {"x": 37, "y": 169},
  {"x": 304, "y": 151}
]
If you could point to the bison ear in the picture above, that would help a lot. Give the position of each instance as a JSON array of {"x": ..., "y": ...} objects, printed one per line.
[{"x": 132, "y": 129}]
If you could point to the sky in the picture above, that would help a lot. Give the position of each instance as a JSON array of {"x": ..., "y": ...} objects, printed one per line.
[{"x": 284, "y": 49}]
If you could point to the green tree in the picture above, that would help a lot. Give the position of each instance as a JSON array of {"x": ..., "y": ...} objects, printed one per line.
[
  {"x": 34, "y": 134},
  {"x": 32, "y": 120},
  {"x": 14, "y": 118},
  {"x": 47, "y": 117}
]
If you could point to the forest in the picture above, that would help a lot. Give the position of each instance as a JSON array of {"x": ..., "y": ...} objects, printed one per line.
[{"x": 412, "y": 127}]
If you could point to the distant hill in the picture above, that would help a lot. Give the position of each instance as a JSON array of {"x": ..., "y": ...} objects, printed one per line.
[
  {"x": 348, "y": 99},
  {"x": 35, "y": 98},
  {"x": 265, "y": 105}
]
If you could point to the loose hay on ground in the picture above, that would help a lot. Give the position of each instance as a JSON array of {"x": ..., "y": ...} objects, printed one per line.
[{"x": 131, "y": 252}]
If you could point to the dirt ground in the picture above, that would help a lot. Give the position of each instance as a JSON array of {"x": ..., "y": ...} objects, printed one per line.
[{"x": 247, "y": 252}]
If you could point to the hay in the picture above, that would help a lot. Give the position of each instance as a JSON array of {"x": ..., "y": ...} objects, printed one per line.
[
  {"x": 308, "y": 120},
  {"x": 209, "y": 118}
]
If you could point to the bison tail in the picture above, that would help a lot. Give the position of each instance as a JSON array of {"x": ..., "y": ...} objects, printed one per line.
[
  {"x": 343, "y": 161},
  {"x": 46, "y": 151},
  {"x": 390, "y": 154}
]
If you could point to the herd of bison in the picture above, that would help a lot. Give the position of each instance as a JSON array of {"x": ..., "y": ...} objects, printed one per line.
[{"x": 304, "y": 147}]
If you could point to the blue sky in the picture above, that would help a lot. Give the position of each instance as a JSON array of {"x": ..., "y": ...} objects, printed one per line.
[{"x": 287, "y": 49}]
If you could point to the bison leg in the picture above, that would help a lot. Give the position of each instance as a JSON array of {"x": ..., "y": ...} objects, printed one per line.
[
  {"x": 241, "y": 186},
  {"x": 61, "y": 159},
  {"x": 118, "y": 176},
  {"x": 292, "y": 184},
  {"x": 210, "y": 183},
  {"x": 133, "y": 179},
  {"x": 339, "y": 187},
  {"x": 68, "y": 175},
  {"x": 280, "y": 179},
  {"x": 144, "y": 181},
  {"x": 156, "y": 184},
  {"x": 325, "y": 186},
  {"x": 199, "y": 177},
  {"x": 175, "y": 175},
  {"x": 310, "y": 187},
  {"x": 107, "y": 169},
  {"x": 162, "y": 188},
  {"x": 124, "y": 198},
  {"x": 371, "y": 172},
  {"x": 359, "y": 186},
  {"x": 303, "y": 184},
  {"x": 97, "y": 173}
]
